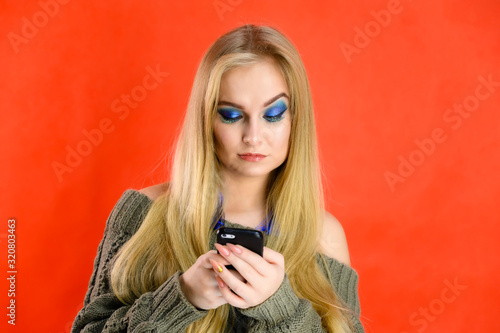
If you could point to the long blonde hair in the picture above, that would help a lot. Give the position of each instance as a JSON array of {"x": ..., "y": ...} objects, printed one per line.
[{"x": 177, "y": 228}]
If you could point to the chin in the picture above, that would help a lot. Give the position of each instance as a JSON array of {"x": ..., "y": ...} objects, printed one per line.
[
  {"x": 255, "y": 174},
  {"x": 252, "y": 172}
]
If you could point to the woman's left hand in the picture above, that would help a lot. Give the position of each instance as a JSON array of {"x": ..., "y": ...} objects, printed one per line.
[{"x": 263, "y": 275}]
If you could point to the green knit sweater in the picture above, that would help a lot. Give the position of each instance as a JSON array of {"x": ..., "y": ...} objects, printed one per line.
[{"x": 167, "y": 310}]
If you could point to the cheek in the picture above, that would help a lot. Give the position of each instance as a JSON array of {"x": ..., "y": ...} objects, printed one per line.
[
  {"x": 223, "y": 138},
  {"x": 282, "y": 137},
  {"x": 217, "y": 138}
]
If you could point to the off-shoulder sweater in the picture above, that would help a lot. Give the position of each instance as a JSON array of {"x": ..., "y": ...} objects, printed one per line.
[{"x": 167, "y": 310}]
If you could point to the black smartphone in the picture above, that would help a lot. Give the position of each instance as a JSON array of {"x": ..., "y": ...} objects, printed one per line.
[{"x": 248, "y": 238}]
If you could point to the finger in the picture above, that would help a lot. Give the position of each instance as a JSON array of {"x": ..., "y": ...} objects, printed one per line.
[
  {"x": 238, "y": 256},
  {"x": 238, "y": 276},
  {"x": 220, "y": 283},
  {"x": 232, "y": 298},
  {"x": 273, "y": 257},
  {"x": 216, "y": 266},
  {"x": 232, "y": 281},
  {"x": 248, "y": 263},
  {"x": 238, "y": 263},
  {"x": 228, "y": 294},
  {"x": 213, "y": 255}
]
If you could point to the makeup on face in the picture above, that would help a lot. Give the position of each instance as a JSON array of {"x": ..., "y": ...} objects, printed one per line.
[
  {"x": 274, "y": 113},
  {"x": 249, "y": 157},
  {"x": 229, "y": 115}
]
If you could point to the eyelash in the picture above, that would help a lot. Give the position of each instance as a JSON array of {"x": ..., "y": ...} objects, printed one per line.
[
  {"x": 275, "y": 118},
  {"x": 271, "y": 119},
  {"x": 227, "y": 120}
]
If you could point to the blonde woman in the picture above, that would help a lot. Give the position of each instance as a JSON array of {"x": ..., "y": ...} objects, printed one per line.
[{"x": 246, "y": 157}]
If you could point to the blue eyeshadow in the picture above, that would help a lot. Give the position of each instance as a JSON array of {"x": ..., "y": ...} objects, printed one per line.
[
  {"x": 274, "y": 113},
  {"x": 276, "y": 110},
  {"x": 229, "y": 113}
]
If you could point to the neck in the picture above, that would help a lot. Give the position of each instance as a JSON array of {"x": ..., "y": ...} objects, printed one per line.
[{"x": 244, "y": 200}]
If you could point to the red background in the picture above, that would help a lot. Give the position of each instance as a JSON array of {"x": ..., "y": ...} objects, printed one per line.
[{"x": 407, "y": 242}]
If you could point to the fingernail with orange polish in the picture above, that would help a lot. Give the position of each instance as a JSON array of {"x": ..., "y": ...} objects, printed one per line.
[
  {"x": 216, "y": 265},
  {"x": 234, "y": 248},
  {"x": 222, "y": 250}
]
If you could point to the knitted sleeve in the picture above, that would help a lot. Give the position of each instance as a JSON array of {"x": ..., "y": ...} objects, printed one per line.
[
  {"x": 165, "y": 309},
  {"x": 284, "y": 311},
  {"x": 344, "y": 280}
]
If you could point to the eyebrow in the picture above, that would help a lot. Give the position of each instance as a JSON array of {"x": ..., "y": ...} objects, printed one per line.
[{"x": 265, "y": 104}]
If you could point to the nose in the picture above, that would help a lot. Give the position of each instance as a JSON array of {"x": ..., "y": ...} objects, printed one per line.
[{"x": 252, "y": 134}]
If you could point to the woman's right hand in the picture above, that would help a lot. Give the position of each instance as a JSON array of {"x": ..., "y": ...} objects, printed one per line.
[{"x": 199, "y": 284}]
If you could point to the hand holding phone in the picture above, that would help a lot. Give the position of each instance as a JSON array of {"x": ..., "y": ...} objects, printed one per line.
[
  {"x": 248, "y": 238},
  {"x": 260, "y": 276}
]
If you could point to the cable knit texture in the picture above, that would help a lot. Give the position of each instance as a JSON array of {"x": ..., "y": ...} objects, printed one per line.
[{"x": 167, "y": 310}]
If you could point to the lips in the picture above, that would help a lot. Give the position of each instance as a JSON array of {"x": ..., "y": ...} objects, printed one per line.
[{"x": 249, "y": 157}]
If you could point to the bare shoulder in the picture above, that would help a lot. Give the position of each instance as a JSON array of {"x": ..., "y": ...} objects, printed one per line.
[
  {"x": 154, "y": 191},
  {"x": 333, "y": 241}
]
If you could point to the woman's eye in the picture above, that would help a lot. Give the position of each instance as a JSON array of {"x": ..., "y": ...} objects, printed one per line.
[
  {"x": 229, "y": 116},
  {"x": 275, "y": 114}
]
